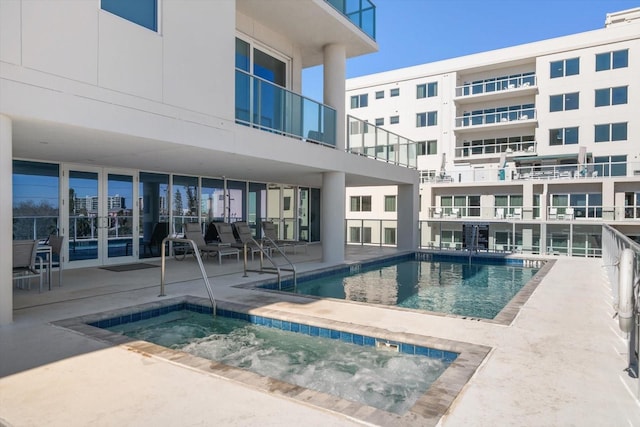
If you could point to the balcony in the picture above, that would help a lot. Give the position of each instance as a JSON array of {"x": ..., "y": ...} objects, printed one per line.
[
  {"x": 486, "y": 149},
  {"x": 361, "y": 12},
  {"x": 372, "y": 141},
  {"x": 512, "y": 117},
  {"x": 561, "y": 173},
  {"x": 497, "y": 88},
  {"x": 269, "y": 107}
]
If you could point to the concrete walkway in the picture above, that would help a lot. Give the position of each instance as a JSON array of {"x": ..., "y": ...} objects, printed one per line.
[{"x": 559, "y": 363}]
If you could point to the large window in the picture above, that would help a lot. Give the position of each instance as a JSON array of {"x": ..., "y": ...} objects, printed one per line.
[
  {"x": 389, "y": 203},
  {"x": 563, "y": 136},
  {"x": 460, "y": 206},
  {"x": 612, "y": 60},
  {"x": 359, "y": 101},
  {"x": 566, "y": 67},
  {"x": 610, "y": 165},
  {"x": 360, "y": 235},
  {"x": 584, "y": 205},
  {"x": 427, "y": 119},
  {"x": 141, "y": 12},
  {"x": 360, "y": 203},
  {"x": 611, "y": 96},
  {"x": 508, "y": 205},
  {"x": 567, "y": 101},
  {"x": 432, "y": 147},
  {"x": 35, "y": 200},
  {"x": 427, "y": 90},
  {"x": 611, "y": 132},
  {"x": 389, "y": 236}
]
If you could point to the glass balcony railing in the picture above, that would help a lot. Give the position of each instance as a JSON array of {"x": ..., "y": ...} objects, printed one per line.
[
  {"x": 497, "y": 116},
  {"x": 267, "y": 106},
  {"x": 372, "y": 141},
  {"x": 361, "y": 12},
  {"x": 479, "y": 87}
]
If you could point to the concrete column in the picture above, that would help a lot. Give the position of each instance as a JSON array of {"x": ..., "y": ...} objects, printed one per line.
[
  {"x": 407, "y": 207},
  {"x": 6, "y": 221},
  {"x": 527, "y": 200},
  {"x": 334, "y": 81},
  {"x": 332, "y": 205}
]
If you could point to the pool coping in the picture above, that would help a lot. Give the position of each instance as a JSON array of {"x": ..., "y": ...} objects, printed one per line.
[
  {"x": 505, "y": 317},
  {"x": 427, "y": 411}
]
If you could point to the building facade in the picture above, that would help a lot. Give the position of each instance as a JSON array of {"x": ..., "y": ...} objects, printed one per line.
[
  {"x": 182, "y": 111},
  {"x": 524, "y": 149}
]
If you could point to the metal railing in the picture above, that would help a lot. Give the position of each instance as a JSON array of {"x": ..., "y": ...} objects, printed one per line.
[
  {"x": 265, "y": 253},
  {"x": 366, "y": 139},
  {"x": 267, "y": 106},
  {"x": 615, "y": 246},
  {"x": 471, "y": 149},
  {"x": 196, "y": 253}
]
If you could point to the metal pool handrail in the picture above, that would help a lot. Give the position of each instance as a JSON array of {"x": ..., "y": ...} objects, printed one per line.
[
  {"x": 263, "y": 269},
  {"x": 196, "y": 252}
]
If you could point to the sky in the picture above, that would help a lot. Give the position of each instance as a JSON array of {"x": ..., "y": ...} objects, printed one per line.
[{"x": 412, "y": 32}]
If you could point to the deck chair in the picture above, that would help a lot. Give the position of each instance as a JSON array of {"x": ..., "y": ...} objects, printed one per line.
[
  {"x": 56, "y": 242},
  {"x": 24, "y": 262},
  {"x": 193, "y": 232},
  {"x": 269, "y": 230},
  {"x": 243, "y": 231},
  {"x": 226, "y": 241},
  {"x": 160, "y": 231}
]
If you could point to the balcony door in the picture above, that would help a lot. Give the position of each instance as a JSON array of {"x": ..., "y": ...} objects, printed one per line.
[{"x": 101, "y": 214}]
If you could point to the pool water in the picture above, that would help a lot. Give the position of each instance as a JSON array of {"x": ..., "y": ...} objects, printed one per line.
[
  {"x": 384, "y": 379},
  {"x": 466, "y": 289}
]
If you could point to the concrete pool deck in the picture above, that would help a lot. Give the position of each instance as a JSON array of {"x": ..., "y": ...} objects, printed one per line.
[{"x": 560, "y": 362}]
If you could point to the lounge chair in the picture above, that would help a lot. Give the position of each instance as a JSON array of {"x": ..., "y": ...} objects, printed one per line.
[
  {"x": 24, "y": 262},
  {"x": 192, "y": 231},
  {"x": 269, "y": 230},
  {"x": 244, "y": 234},
  {"x": 226, "y": 243},
  {"x": 160, "y": 231}
]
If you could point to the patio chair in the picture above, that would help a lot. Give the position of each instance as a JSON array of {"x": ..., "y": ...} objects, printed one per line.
[
  {"x": 24, "y": 262},
  {"x": 243, "y": 231},
  {"x": 269, "y": 230},
  {"x": 56, "y": 242},
  {"x": 160, "y": 231},
  {"x": 192, "y": 231},
  {"x": 226, "y": 242}
]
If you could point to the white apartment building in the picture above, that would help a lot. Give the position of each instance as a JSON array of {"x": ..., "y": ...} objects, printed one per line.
[
  {"x": 524, "y": 149},
  {"x": 190, "y": 111}
]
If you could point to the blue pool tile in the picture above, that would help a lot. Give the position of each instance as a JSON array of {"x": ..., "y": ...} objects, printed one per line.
[
  {"x": 125, "y": 319},
  {"x": 267, "y": 321},
  {"x": 275, "y": 323},
  {"x": 145, "y": 315},
  {"x": 422, "y": 351},
  {"x": 252, "y": 318},
  {"x": 435, "y": 353},
  {"x": 449, "y": 356},
  {"x": 314, "y": 331},
  {"x": 135, "y": 317},
  {"x": 295, "y": 327},
  {"x": 407, "y": 348},
  {"x": 334, "y": 334},
  {"x": 346, "y": 337},
  {"x": 286, "y": 326},
  {"x": 304, "y": 329},
  {"x": 369, "y": 341},
  {"x": 358, "y": 339},
  {"x": 325, "y": 333}
]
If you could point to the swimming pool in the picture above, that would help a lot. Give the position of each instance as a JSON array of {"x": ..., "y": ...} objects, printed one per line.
[
  {"x": 478, "y": 289},
  {"x": 426, "y": 410}
]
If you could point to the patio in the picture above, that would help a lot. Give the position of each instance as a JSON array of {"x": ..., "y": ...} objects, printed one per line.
[{"x": 560, "y": 362}]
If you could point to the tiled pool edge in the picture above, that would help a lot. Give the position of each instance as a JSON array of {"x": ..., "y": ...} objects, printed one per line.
[{"x": 427, "y": 411}]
